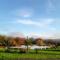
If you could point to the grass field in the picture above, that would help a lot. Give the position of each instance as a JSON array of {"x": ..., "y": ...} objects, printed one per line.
[{"x": 52, "y": 54}]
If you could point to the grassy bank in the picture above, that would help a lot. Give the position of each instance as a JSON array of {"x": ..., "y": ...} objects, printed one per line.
[
  {"x": 52, "y": 54},
  {"x": 41, "y": 54}
]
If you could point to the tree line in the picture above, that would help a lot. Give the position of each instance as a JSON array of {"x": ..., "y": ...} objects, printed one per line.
[{"x": 7, "y": 41}]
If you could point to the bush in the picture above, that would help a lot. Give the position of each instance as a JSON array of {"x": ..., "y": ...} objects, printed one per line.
[
  {"x": 22, "y": 50},
  {"x": 7, "y": 50}
]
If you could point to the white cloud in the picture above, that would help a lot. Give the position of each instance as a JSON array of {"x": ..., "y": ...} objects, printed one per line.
[
  {"x": 46, "y": 35},
  {"x": 29, "y": 22},
  {"x": 16, "y": 34},
  {"x": 43, "y": 23},
  {"x": 47, "y": 22},
  {"x": 23, "y": 12},
  {"x": 43, "y": 35},
  {"x": 55, "y": 35}
]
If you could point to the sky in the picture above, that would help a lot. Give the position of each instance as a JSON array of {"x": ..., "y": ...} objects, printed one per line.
[{"x": 30, "y": 17}]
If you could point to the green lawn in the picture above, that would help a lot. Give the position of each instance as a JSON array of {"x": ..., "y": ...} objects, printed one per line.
[{"x": 42, "y": 54}]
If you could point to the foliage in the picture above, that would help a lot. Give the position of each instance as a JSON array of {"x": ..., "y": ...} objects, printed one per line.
[{"x": 40, "y": 42}]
